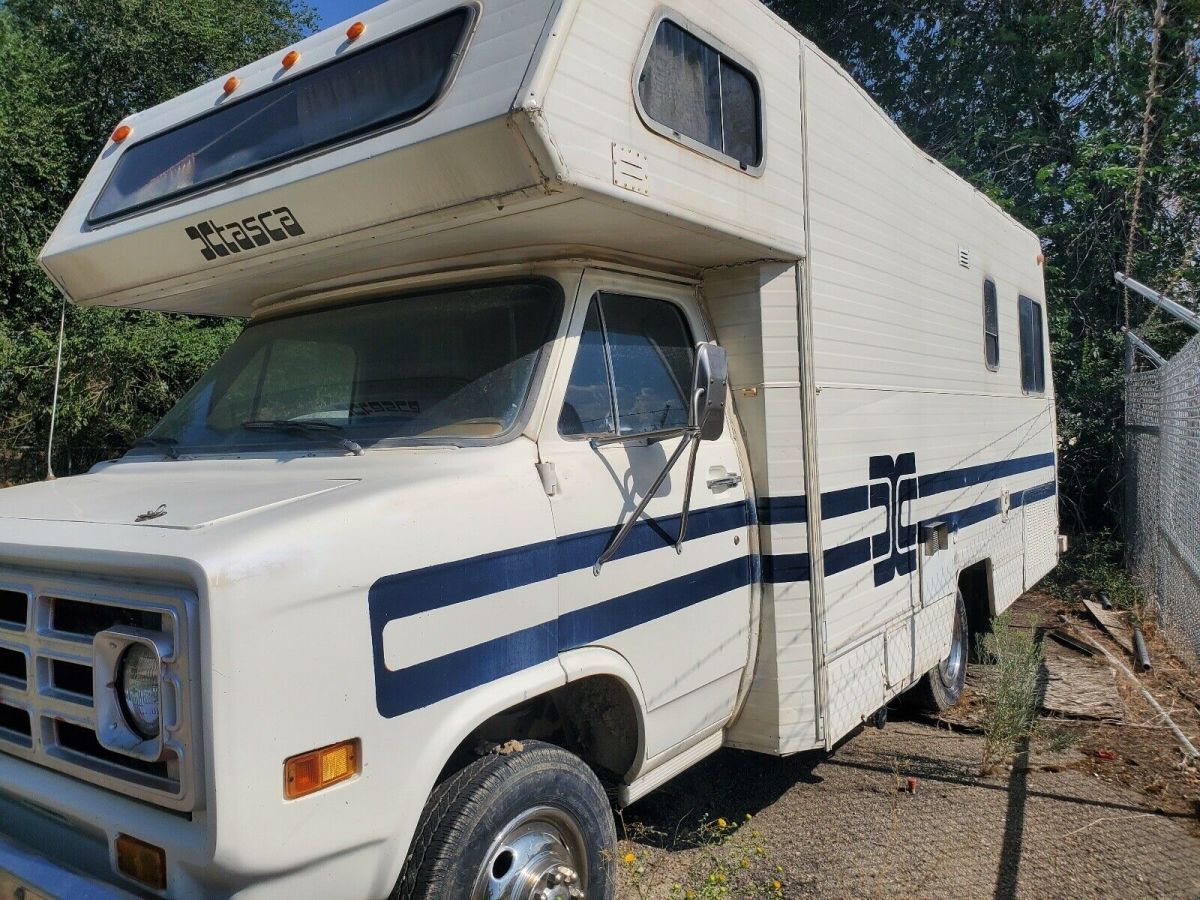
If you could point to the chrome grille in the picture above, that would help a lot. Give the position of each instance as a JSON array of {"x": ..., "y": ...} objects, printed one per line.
[{"x": 47, "y": 715}]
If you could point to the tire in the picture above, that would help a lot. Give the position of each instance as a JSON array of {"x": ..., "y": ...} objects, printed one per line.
[
  {"x": 942, "y": 686},
  {"x": 534, "y": 820}
]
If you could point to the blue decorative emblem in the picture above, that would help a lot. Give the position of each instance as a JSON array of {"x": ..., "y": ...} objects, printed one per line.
[{"x": 893, "y": 487}]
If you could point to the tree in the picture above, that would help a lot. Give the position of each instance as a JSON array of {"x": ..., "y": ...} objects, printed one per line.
[
  {"x": 72, "y": 69},
  {"x": 1044, "y": 107}
]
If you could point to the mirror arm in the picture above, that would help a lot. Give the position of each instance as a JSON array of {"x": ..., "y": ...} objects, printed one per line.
[
  {"x": 690, "y": 436},
  {"x": 687, "y": 494}
]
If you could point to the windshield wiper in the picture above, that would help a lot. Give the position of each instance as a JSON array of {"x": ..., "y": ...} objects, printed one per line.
[
  {"x": 307, "y": 429},
  {"x": 169, "y": 446}
]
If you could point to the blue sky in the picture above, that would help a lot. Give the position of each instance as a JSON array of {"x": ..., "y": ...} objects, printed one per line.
[{"x": 334, "y": 11}]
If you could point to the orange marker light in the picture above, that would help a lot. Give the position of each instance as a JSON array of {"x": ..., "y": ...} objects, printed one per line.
[
  {"x": 232, "y": 84},
  {"x": 122, "y": 132},
  {"x": 142, "y": 862},
  {"x": 291, "y": 59},
  {"x": 318, "y": 769},
  {"x": 355, "y": 31},
  {"x": 1041, "y": 259}
]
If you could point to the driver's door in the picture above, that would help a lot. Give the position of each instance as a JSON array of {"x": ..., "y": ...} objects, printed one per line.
[{"x": 679, "y": 618}]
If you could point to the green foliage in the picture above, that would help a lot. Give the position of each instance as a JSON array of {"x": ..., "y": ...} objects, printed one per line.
[
  {"x": 1042, "y": 107},
  {"x": 1095, "y": 566},
  {"x": 71, "y": 70},
  {"x": 1011, "y": 703}
]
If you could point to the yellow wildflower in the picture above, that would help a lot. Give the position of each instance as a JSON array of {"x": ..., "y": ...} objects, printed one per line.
[{"x": 630, "y": 858}]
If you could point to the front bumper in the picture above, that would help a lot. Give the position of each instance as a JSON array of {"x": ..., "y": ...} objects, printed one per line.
[{"x": 25, "y": 875}]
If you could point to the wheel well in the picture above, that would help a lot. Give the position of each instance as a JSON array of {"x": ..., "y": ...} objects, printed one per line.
[
  {"x": 975, "y": 582},
  {"x": 595, "y": 718}
]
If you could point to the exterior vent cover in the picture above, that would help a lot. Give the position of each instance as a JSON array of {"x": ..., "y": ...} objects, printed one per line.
[
  {"x": 964, "y": 257},
  {"x": 629, "y": 170}
]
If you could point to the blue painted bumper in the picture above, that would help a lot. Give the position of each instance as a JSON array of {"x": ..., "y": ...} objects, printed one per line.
[{"x": 23, "y": 873}]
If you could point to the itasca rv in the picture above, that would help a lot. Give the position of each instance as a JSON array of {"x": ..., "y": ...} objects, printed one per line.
[{"x": 618, "y": 385}]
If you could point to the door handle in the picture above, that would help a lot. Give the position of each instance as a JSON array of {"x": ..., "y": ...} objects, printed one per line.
[{"x": 725, "y": 481}]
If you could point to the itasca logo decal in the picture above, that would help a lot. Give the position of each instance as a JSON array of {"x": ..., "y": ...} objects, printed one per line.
[{"x": 250, "y": 233}]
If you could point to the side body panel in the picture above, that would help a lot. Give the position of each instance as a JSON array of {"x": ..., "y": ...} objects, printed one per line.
[
  {"x": 754, "y": 309},
  {"x": 913, "y": 427}
]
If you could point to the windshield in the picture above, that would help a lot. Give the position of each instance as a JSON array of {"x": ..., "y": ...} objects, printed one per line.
[{"x": 439, "y": 367}]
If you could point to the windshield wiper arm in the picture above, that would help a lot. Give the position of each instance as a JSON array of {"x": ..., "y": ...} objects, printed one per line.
[
  {"x": 169, "y": 446},
  {"x": 308, "y": 429}
]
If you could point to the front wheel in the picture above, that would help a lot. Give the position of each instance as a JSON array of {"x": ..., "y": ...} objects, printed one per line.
[
  {"x": 943, "y": 685},
  {"x": 534, "y": 824}
]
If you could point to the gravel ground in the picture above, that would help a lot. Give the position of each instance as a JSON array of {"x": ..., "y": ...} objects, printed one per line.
[{"x": 850, "y": 825}]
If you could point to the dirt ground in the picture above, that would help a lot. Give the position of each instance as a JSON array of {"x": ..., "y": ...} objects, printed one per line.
[{"x": 1096, "y": 808}]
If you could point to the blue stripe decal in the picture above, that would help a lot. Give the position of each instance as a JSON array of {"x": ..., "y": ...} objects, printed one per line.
[
  {"x": 846, "y": 502},
  {"x": 782, "y": 510},
  {"x": 1034, "y": 494},
  {"x": 794, "y": 510},
  {"x": 435, "y": 587},
  {"x": 590, "y": 624},
  {"x": 424, "y": 684},
  {"x": 957, "y": 479},
  {"x": 580, "y": 551},
  {"x": 787, "y": 568},
  {"x": 847, "y": 556}
]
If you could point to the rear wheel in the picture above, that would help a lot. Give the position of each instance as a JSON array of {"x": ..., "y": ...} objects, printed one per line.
[
  {"x": 534, "y": 824},
  {"x": 942, "y": 686}
]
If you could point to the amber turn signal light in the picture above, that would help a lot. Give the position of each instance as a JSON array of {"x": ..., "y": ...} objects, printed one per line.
[
  {"x": 144, "y": 863},
  {"x": 318, "y": 769},
  {"x": 291, "y": 59},
  {"x": 232, "y": 84},
  {"x": 355, "y": 31},
  {"x": 122, "y": 132}
]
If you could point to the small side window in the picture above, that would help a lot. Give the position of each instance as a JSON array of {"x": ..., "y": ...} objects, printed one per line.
[
  {"x": 588, "y": 406},
  {"x": 1033, "y": 353},
  {"x": 991, "y": 326},
  {"x": 695, "y": 91},
  {"x": 634, "y": 361}
]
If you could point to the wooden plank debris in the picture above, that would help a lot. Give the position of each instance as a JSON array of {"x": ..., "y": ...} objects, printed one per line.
[{"x": 1113, "y": 623}]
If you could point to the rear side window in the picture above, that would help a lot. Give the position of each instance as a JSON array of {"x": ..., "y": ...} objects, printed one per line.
[
  {"x": 633, "y": 366},
  {"x": 1033, "y": 353},
  {"x": 697, "y": 92},
  {"x": 991, "y": 326},
  {"x": 383, "y": 85}
]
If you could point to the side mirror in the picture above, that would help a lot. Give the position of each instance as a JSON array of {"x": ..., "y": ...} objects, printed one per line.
[{"x": 710, "y": 385}]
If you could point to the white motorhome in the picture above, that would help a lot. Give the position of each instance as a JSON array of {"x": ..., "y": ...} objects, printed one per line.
[{"x": 619, "y": 384}]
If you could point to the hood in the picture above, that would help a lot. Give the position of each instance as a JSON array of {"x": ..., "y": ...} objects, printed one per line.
[{"x": 158, "y": 496}]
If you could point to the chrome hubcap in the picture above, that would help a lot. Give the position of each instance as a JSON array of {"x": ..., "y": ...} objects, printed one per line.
[
  {"x": 951, "y": 667},
  {"x": 539, "y": 855}
]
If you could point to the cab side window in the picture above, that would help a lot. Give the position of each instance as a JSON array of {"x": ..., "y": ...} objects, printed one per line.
[
  {"x": 631, "y": 373},
  {"x": 588, "y": 407}
]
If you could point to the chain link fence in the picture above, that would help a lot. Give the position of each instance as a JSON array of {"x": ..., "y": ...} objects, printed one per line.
[{"x": 1162, "y": 500}]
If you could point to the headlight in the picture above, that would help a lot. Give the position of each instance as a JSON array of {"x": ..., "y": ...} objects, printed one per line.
[{"x": 139, "y": 687}]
